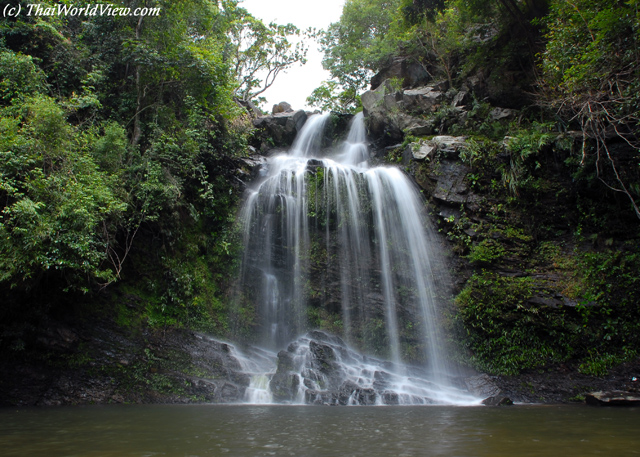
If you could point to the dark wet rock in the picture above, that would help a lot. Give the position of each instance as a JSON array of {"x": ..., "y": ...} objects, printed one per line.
[
  {"x": 381, "y": 380},
  {"x": 250, "y": 167},
  {"x": 482, "y": 386},
  {"x": 564, "y": 384},
  {"x": 314, "y": 164},
  {"x": 498, "y": 400},
  {"x": 498, "y": 114},
  {"x": 450, "y": 184},
  {"x": 336, "y": 129},
  {"x": 508, "y": 90},
  {"x": 58, "y": 337},
  {"x": 392, "y": 113},
  {"x": 461, "y": 98},
  {"x": 278, "y": 129},
  {"x": 352, "y": 393},
  {"x": 322, "y": 370},
  {"x": 173, "y": 366},
  {"x": 421, "y": 100},
  {"x": 230, "y": 393},
  {"x": 284, "y": 382},
  {"x": 613, "y": 398},
  {"x": 347, "y": 394},
  {"x": 323, "y": 353},
  {"x": 284, "y": 386},
  {"x": 408, "y": 71},
  {"x": 390, "y": 398},
  {"x": 542, "y": 300},
  {"x": 326, "y": 337}
]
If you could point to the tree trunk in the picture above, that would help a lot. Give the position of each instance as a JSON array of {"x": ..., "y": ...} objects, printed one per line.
[{"x": 137, "y": 131}]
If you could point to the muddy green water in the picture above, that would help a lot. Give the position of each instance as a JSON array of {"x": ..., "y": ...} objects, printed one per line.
[{"x": 306, "y": 431}]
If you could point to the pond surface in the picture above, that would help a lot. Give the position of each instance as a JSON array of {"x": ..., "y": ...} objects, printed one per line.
[{"x": 307, "y": 431}]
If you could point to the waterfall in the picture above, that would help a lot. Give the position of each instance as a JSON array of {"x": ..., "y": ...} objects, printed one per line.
[{"x": 332, "y": 242}]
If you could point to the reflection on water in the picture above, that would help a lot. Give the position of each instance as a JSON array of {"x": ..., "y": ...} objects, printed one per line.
[{"x": 273, "y": 430}]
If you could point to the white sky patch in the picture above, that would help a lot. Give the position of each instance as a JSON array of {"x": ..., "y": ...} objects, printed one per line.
[{"x": 298, "y": 82}]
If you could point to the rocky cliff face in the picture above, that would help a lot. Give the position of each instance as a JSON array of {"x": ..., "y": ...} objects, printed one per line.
[
  {"x": 101, "y": 363},
  {"x": 526, "y": 231},
  {"x": 277, "y": 131}
]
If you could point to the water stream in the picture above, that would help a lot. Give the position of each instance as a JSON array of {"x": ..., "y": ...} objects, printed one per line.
[{"x": 333, "y": 242}]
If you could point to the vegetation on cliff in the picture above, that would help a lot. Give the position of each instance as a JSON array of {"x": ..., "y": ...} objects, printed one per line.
[
  {"x": 119, "y": 138},
  {"x": 545, "y": 225}
]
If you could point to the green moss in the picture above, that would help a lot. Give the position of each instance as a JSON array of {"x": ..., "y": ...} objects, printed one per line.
[
  {"x": 595, "y": 323},
  {"x": 486, "y": 251},
  {"x": 505, "y": 332},
  {"x": 324, "y": 320}
]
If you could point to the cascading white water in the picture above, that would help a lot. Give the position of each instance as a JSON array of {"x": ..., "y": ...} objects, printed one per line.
[{"x": 331, "y": 241}]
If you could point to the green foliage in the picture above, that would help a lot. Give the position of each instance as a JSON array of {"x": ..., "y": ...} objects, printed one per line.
[
  {"x": 259, "y": 52},
  {"x": 599, "y": 364},
  {"x": 360, "y": 42},
  {"x": 506, "y": 333},
  {"x": 323, "y": 319},
  {"x": 589, "y": 43},
  {"x": 328, "y": 97},
  {"x": 122, "y": 177},
  {"x": 591, "y": 77},
  {"x": 56, "y": 198},
  {"x": 486, "y": 252},
  {"x": 20, "y": 77},
  {"x": 521, "y": 147}
]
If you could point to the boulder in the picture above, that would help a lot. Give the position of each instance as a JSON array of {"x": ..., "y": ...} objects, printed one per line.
[
  {"x": 387, "y": 111},
  {"x": 279, "y": 129},
  {"x": 252, "y": 109},
  {"x": 451, "y": 187},
  {"x": 482, "y": 386},
  {"x": 282, "y": 107},
  {"x": 461, "y": 98},
  {"x": 498, "y": 114},
  {"x": 418, "y": 151},
  {"x": 410, "y": 72},
  {"x": 250, "y": 167},
  {"x": 373, "y": 101},
  {"x": 415, "y": 126},
  {"x": 320, "y": 369},
  {"x": 498, "y": 400},
  {"x": 285, "y": 381},
  {"x": 448, "y": 145},
  {"x": 613, "y": 398},
  {"x": 422, "y": 100}
]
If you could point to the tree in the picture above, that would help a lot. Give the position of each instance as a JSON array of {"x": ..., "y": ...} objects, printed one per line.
[
  {"x": 259, "y": 52},
  {"x": 328, "y": 97},
  {"x": 19, "y": 77},
  {"x": 54, "y": 199},
  {"x": 591, "y": 76},
  {"x": 174, "y": 55},
  {"x": 356, "y": 46}
]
